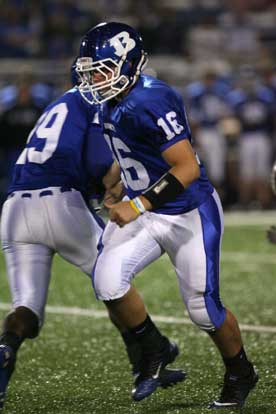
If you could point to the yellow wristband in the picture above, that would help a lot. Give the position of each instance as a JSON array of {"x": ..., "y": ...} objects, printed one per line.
[{"x": 134, "y": 207}]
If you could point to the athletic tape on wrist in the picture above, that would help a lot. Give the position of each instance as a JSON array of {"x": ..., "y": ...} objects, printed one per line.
[
  {"x": 166, "y": 189},
  {"x": 134, "y": 207},
  {"x": 138, "y": 203}
]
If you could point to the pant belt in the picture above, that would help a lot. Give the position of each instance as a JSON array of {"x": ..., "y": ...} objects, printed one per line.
[{"x": 42, "y": 193}]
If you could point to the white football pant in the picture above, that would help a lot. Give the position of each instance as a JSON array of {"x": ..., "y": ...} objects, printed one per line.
[
  {"x": 35, "y": 225},
  {"x": 192, "y": 242}
]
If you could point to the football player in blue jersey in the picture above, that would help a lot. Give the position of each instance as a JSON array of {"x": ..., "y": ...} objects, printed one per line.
[
  {"x": 207, "y": 108},
  {"x": 170, "y": 206},
  {"x": 168, "y": 376},
  {"x": 46, "y": 213},
  {"x": 253, "y": 105}
]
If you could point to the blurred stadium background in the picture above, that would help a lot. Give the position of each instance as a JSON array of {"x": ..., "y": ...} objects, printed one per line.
[{"x": 220, "y": 54}]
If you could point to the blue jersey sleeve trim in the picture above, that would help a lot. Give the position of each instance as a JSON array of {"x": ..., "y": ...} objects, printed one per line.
[{"x": 173, "y": 141}]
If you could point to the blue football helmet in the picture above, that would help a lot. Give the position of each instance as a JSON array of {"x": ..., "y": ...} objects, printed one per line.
[{"x": 111, "y": 59}]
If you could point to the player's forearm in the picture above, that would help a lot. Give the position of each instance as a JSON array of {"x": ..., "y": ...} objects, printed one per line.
[
  {"x": 168, "y": 187},
  {"x": 186, "y": 174},
  {"x": 146, "y": 203},
  {"x": 183, "y": 162},
  {"x": 113, "y": 176}
]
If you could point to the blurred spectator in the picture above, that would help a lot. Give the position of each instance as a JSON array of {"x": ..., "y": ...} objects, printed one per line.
[
  {"x": 16, "y": 122},
  {"x": 207, "y": 109},
  {"x": 64, "y": 24},
  {"x": 230, "y": 129},
  {"x": 203, "y": 29},
  {"x": 149, "y": 21},
  {"x": 207, "y": 40},
  {"x": 254, "y": 107},
  {"x": 242, "y": 43},
  {"x": 268, "y": 76},
  {"x": 19, "y": 29}
]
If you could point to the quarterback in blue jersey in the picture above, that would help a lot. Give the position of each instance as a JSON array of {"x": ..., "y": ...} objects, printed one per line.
[
  {"x": 46, "y": 213},
  {"x": 170, "y": 206}
]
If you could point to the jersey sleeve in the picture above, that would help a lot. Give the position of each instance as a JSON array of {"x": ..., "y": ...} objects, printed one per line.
[
  {"x": 98, "y": 157},
  {"x": 162, "y": 119}
]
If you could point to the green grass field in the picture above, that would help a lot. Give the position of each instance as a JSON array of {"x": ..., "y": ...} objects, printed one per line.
[{"x": 78, "y": 364}]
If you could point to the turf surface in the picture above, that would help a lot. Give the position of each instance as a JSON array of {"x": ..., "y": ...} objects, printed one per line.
[{"x": 78, "y": 364}]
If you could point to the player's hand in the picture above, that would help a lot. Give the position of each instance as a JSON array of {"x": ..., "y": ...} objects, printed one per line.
[
  {"x": 121, "y": 213},
  {"x": 114, "y": 194},
  {"x": 271, "y": 234}
]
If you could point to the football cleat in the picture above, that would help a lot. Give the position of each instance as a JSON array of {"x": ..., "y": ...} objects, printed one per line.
[
  {"x": 7, "y": 363},
  {"x": 153, "y": 373},
  {"x": 235, "y": 390},
  {"x": 170, "y": 377}
]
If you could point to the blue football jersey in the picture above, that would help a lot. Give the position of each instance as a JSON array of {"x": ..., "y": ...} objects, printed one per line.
[
  {"x": 139, "y": 128},
  {"x": 255, "y": 110},
  {"x": 206, "y": 104},
  {"x": 66, "y": 148}
]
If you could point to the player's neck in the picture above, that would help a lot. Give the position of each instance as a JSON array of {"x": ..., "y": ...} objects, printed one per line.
[{"x": 122, "y": 95}]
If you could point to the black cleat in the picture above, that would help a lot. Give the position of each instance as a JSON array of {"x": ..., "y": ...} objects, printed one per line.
[
  {"x": 170, "y": 377},
  {"x": 7, "y": 363},
  {"x": 235, "y": 390},
  {"x": 153, "y": 373}
]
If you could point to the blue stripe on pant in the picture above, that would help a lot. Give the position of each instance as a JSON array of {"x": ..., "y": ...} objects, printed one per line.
[{"x": 212, "y": 231}]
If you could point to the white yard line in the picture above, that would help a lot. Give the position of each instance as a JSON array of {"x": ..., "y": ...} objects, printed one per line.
[
  {"x": 249, "y": 257},
  {"x": 250, "y": 218},
  {"x": 231, "y": 219},
  {"x": 98, "y": 314},
  {"x": 241, "y": 257}
]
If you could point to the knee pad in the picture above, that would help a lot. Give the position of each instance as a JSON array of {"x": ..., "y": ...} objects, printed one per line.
[
  {"x": 23, "y": 321},
  {"x": 111, "y": 293},
  {"x": 202, "y": 320},
  {"x": 109, "y": 287},
  {"x": 206, "y": 319}
]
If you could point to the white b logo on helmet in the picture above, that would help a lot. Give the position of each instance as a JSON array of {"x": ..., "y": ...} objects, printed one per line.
[{"x": 122, "y": 43}]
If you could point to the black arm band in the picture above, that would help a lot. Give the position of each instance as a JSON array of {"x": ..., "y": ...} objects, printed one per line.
[{"x": 166, "y": 189}]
